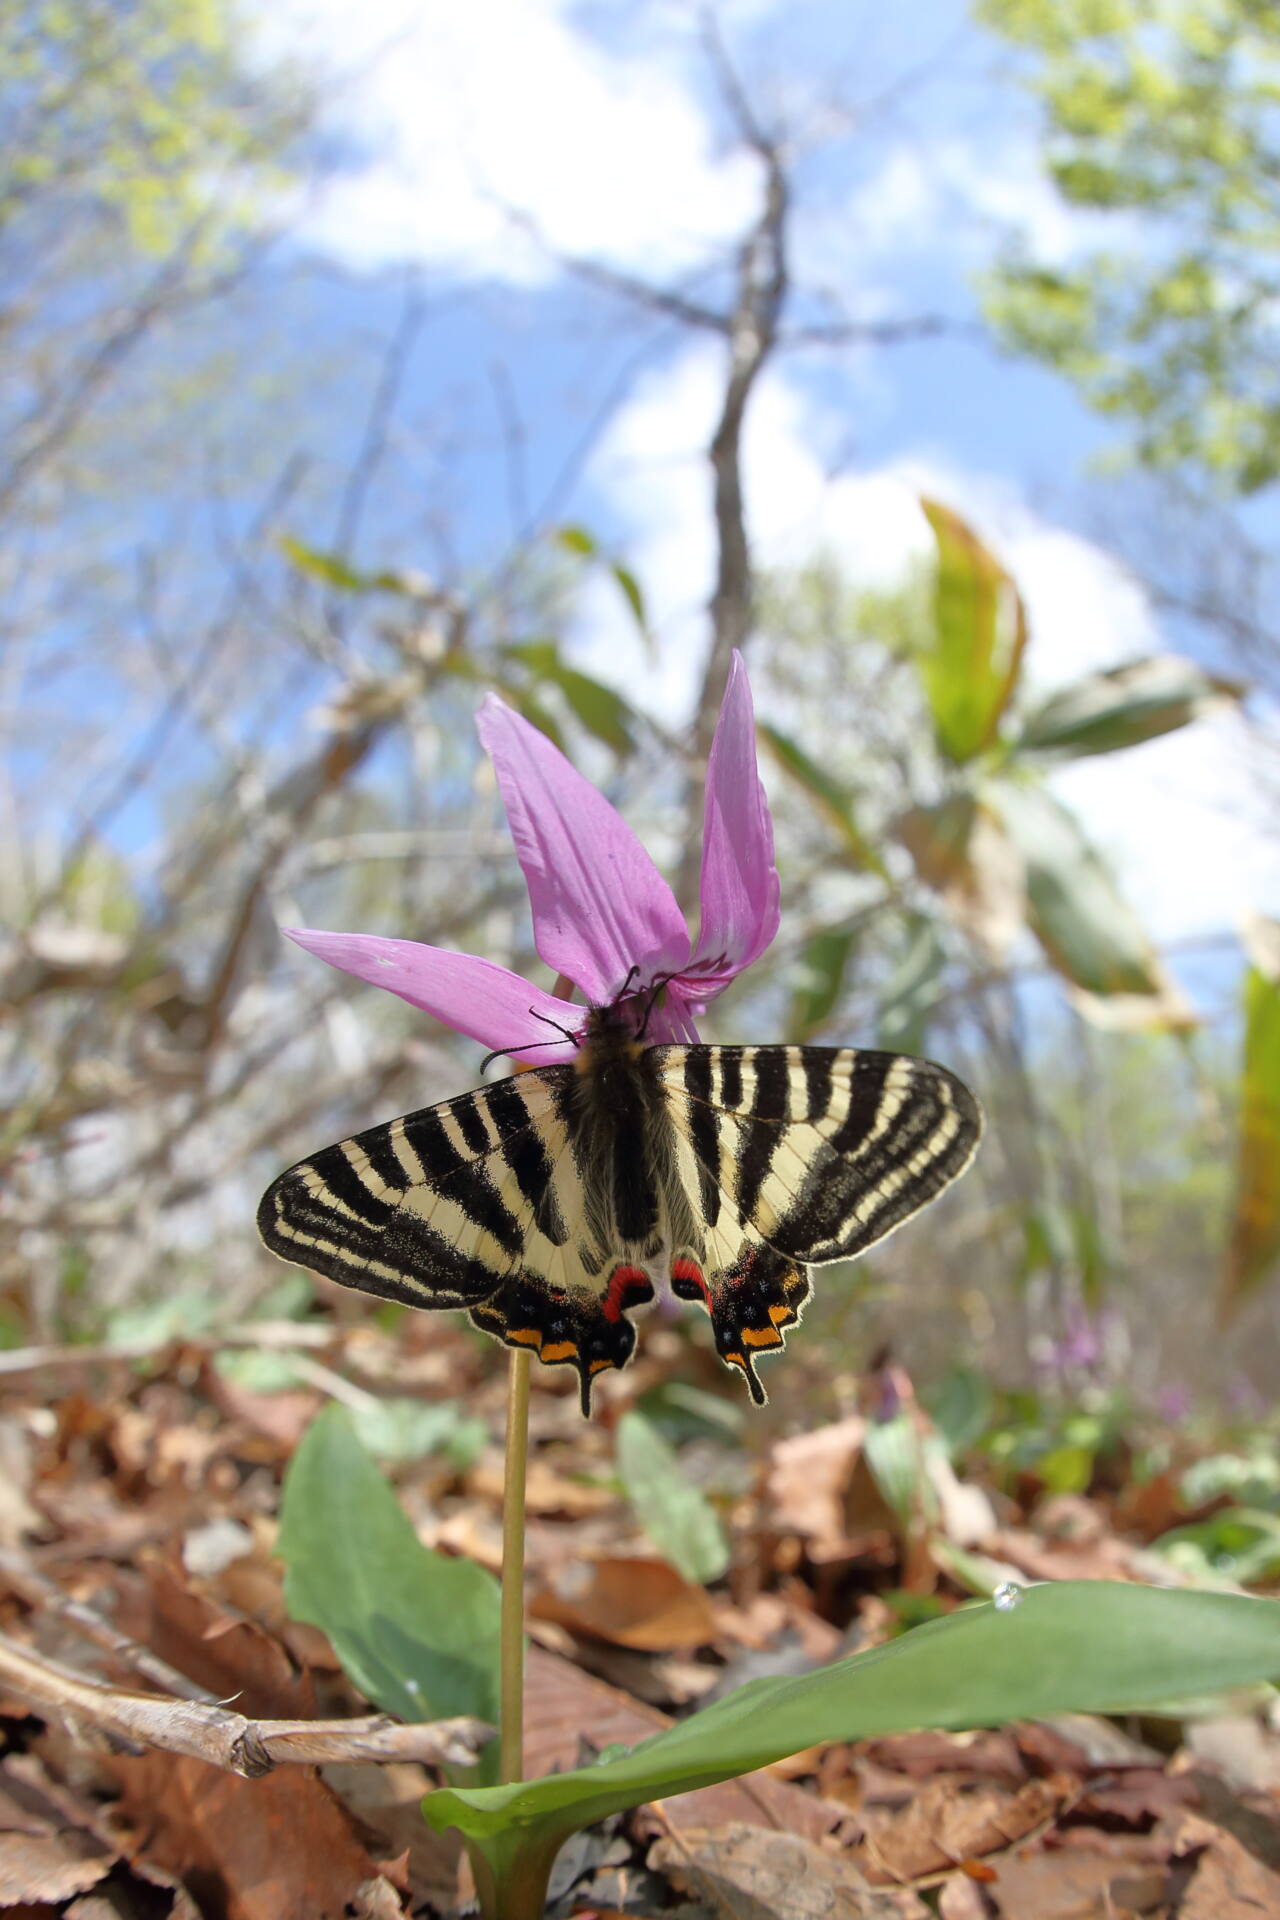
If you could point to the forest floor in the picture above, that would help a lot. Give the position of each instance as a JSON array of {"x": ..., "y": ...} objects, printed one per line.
[{"x": 139, "y": 1497}]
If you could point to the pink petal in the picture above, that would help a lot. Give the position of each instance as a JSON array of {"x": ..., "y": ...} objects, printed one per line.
[
  {"x": 471, "y": 995},
  {"x": 739, "y": 880},
  {"x": 600, "y": 906}
]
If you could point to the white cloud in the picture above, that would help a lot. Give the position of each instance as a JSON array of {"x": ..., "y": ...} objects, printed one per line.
[
  {"x": 1182, "y": 817},
  {"x": 949, "y": 195},
  {"x": 457, "y": 116}
]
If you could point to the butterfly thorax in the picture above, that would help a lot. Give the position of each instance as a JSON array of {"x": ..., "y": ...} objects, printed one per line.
[{"x": 617, "y": 1121}]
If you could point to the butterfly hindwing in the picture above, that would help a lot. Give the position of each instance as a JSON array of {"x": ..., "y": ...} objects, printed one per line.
[{"x": 800, "y": 1155}]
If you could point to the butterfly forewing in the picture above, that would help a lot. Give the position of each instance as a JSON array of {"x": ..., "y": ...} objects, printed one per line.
[
  {"x": 550, "y": 1203},
  {"x": 434, "y": 1209}
]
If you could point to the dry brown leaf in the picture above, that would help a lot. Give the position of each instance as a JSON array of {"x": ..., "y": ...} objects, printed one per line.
[
  {"x": 1229, "y": 1882},
  {"x": 759, "y": 1875},
  {"x": 1105, "y": 1558},
  {"x": 964, "y": 1756},
  {"x": 548, "y": 1492},
  {"x": 45, "y": 1855},
  {"x": 1077, "y": 1885},
  {"x": 1240, "y": 1748},
  {"x": 940, "y": 1826},
  {"x": 809, "y": 1477},
  {"x": 277, "y": 1848},
  {"x": 232, "y": 1656},
  {"x": 387, "y": 1804},
  {"x": 634, "y": 1602},
  {"x": 961, "y": 1900}
]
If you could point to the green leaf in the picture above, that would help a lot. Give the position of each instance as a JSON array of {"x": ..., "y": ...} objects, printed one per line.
[
  {"x": 417, "y": 1631},
  {"x": 1237, "y": 1545},
  {"x": 1119, "y": 708},
  {"x": 979, "y": 633},
  {"x": 401, "y": 1429},
  {"x": 672, "y": 1511},
  {"x": 577, "y": 540},
  {"x": 603, "y": 712},
  {"x": 337, "y": 572},
  {"x": 1254, "y": 1246},
  {"x": 1070, "y": 1647},
  {"x": 824, "y": 966},
  {"x": 895, "y": 1453},
  {"x": 831, "y": 797},
  {"x": 1075, "y": 910},
  {"x": 910, "y": 994},
  {"x": 960, "y": 1408},
  {"x": 631, "y": 593}
]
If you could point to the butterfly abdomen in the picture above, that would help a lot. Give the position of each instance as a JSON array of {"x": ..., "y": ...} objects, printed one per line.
[{"x": 617, "y": 1112}]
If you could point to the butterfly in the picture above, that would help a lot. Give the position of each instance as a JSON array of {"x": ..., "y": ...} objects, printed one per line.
[{"x": 552, "y": 1204}]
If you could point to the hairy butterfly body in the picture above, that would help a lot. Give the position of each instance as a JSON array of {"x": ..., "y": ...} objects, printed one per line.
[{"x": 553, "y": 1203}]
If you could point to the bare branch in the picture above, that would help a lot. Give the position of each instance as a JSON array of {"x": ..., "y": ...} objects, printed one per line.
[{"x": 205, "y": 1731}]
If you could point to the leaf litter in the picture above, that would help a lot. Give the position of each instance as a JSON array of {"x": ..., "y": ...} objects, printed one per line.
[{"x": 137, "y": 1531}]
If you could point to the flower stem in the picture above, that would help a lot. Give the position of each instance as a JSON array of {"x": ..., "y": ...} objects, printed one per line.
[
  {"x": 511, "y": 1625},
  {"x": 511, "y": 1747}
]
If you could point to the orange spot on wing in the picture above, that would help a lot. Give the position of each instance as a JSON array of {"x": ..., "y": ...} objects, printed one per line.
[
  {"x": 524, "y": 1336},
  {"x": 762, "y": 1336},
  {"x": 560, "y": 1350}
]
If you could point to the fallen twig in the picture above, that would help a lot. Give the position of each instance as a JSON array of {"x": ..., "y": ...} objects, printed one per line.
[{"x": 207, "y": 1731}]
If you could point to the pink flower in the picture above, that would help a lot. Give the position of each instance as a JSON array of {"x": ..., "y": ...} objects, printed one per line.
[{"x": 603, "y": 916}]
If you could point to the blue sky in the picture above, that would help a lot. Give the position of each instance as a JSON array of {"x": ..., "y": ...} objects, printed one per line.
[{"x": 457, "y": 129}]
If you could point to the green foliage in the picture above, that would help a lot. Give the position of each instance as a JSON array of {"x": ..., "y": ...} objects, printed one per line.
[
  {"x": 676, "y": 1516},
  {"x": 141, "y": 109},
  {"x": 831, "y": 799},
  {"x": 1255, "y": 1236},
  {"x": 1073, "y": 906},
  {"x": 1124, "y": 706},
  {"x": 1073, "y": 1646},
  {"x": 417, "y": 1631},
  {"x": 979, "y": 634},
  {"x": 1163, "y": 116},
  {"x": 1237, "y": 1547}
]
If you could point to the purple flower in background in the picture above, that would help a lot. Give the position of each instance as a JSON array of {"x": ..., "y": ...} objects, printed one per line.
[{"x": 603, "y": 916}]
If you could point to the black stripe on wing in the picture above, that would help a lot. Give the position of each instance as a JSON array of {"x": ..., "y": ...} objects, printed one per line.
[
  {"x": 831, "y": 1148},
  {"x": 432, "y": 1209}
]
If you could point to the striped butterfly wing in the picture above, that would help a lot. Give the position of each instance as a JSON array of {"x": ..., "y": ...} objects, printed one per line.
[
  {"x": 477, "y": 1203},
  {"x": 436, "y": 1209},
  {"x": 799, "y": 1156}
]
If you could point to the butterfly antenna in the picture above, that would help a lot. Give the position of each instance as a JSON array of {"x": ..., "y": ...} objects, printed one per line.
[
  {"x": 500, "y": 1053},
  {"x": 660, "y": 986}
]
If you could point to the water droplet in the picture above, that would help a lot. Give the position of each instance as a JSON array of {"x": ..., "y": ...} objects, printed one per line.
[{"x": 1006, "y": 1596}]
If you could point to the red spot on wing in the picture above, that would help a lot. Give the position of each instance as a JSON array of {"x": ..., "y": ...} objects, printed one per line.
[
  {"x": 691, "y": 1273},
  {"x": 621, "y": 1283}
]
